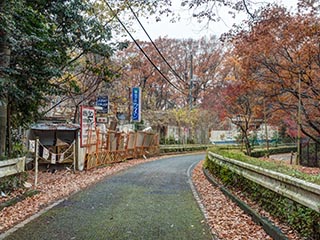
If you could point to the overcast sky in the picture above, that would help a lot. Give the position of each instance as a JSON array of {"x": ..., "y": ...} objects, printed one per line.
[{"x": 190, "y": 28}]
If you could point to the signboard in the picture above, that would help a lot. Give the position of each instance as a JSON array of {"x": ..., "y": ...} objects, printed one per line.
[
  {"x": 88, "y": 126},
  {"x": 103, "y": 101},
  {"x": 136, "y": 104}
]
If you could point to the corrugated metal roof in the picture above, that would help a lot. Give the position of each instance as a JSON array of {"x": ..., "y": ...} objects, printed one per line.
[{"x": 55, "y": 126}]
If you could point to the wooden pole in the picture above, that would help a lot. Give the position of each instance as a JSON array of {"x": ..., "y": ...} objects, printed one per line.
[
  {"x": 36, "y": 162},
  {"x": 74, "y": 156}
]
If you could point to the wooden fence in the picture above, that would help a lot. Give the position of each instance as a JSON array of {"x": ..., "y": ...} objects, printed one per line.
[
  {"x": 113, "y": 146},
  {"x": 103, "y": 148}
]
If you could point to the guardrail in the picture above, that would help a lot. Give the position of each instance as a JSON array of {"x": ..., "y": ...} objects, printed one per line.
[
  {"x": 303, "y": 192},
  {"x": 12, "y": 166}
]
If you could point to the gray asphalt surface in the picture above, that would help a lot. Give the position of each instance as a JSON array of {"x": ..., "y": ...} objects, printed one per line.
[{"x": 149, "y": 201}]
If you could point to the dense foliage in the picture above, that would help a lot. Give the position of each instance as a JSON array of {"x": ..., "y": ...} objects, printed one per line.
[
  {"x": 46, "y": 38},
  {"x": 47, "y": 47}
]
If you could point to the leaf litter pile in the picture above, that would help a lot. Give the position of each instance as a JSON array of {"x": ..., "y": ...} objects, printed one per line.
[{"x": 225, "y": 218}]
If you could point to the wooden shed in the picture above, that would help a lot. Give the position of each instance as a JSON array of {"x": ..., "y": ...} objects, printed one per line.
[{"x": 57, "y": 141}]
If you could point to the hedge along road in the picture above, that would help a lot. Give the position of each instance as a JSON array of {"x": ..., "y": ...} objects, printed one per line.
[{"x": 153, "y": 200}]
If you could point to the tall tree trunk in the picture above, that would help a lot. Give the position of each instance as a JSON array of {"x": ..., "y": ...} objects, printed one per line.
[
  {"x": 4, "y": 62},
  {"x": 247, "y": 144},
  {"x": 9, "y": 133},
  {"x": 3, "y": 126}
]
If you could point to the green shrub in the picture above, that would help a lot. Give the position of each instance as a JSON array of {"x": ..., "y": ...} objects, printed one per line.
[
  {"x": 183, "y": 148},
  {"x": 305, "y": 220},
  {"x": 234, "y": 153},
  {"x": 273, "y": 150},
  {"x": 12, "y": 182}
]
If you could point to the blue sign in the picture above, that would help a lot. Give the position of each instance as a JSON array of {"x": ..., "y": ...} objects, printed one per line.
[
  {"x": 136, "y": 104},
  {"x": 103, "y": 101}
]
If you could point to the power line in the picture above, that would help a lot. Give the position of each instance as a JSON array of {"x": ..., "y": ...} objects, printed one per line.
[
  {"x": 140, "y": 48},
  {"x": 154, "y": 45}
]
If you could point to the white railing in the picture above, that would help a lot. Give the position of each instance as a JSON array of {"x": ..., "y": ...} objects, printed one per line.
[{"x": 303, "y": 192}]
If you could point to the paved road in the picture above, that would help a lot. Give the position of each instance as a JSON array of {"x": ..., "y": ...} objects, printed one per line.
[{"x": 149, "y": 201}]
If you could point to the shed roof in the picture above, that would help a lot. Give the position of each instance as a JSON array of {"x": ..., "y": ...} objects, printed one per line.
[{"x": 55, "y": 126}]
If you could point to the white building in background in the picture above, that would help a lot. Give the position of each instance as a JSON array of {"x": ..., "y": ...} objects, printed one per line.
[
  {"x": 177, "y": 133},
  {"x": 230, "y": 136}
]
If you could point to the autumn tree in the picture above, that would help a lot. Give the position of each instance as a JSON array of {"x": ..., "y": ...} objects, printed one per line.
[
  {"x": 280, "y": 52},
  {"x": 42, "y": 44},
  {"x": 237, "y": 100},
  {"x": 206, "y": 58},
  {"x": 181, "y": 56}
]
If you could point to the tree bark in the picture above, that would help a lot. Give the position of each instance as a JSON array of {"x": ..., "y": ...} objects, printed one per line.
[
  {"x": 3, "y": 127},
  {"x": 4, "y": 63}
]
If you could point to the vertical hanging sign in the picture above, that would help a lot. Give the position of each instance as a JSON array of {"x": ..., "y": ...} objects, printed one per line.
[
  {"x": 88, "y": 126},
  {"x": 136, "y": 104}
]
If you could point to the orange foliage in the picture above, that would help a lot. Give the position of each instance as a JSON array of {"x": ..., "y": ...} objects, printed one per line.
[{"x": 277, "y": 51}]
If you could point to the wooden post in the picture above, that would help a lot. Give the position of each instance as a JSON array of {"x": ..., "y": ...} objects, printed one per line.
[
  {"x": 74, "y": 156},
  {"x": 97, "y": 141},
  {"x": 36, "y": 162}
]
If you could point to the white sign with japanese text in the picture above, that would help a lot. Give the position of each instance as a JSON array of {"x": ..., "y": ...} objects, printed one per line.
[{"x": 88, "y": 126}]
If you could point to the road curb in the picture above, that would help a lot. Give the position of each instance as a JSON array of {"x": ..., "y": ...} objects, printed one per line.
[
  {"x": 272, "y": 230},
  {"x": 197, "y": 197},
  {"x": 21, "y": 224}
]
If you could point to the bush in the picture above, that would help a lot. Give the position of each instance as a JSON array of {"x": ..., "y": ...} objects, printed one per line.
[
  {"x": 235, "y": 153},
  {"x": 305, "y": 220},
  {"x": 183, "y": 148},
  {"x": 169, "y": 141},
  {"x": 190, "y": 141},
  {"x": 12, "y": 182},
  {"x": 274, "y": 150}
]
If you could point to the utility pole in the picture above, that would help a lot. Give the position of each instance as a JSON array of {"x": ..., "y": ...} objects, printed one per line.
[
  {"x": 265, "y": 126},
  {"x": 190, "y": 92},
  {"x": 299, "y": 121},
  {"x": 191, "y": 82}
]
